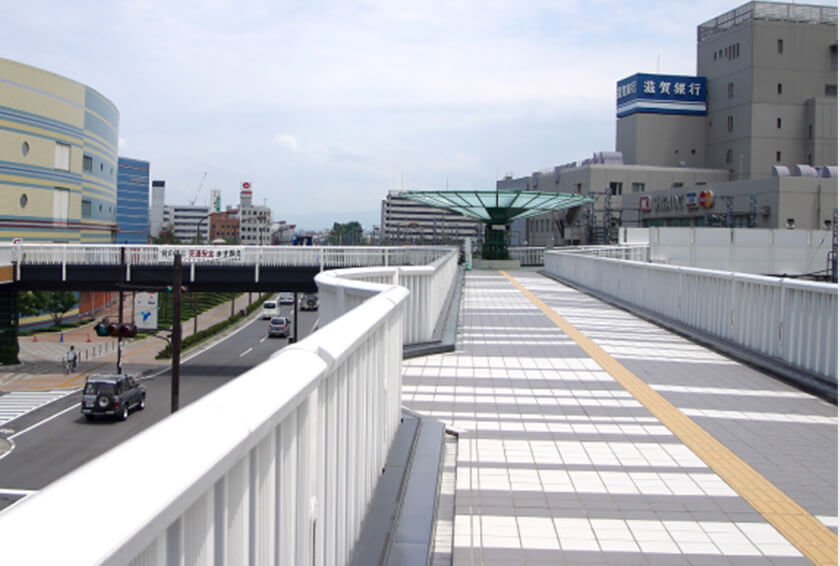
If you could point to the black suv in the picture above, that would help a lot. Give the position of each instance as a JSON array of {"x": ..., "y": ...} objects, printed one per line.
[{"x": 112, "y": 395}]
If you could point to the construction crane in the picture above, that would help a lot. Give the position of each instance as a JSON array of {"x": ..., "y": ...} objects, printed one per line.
[{"x": 198, "y": 190}]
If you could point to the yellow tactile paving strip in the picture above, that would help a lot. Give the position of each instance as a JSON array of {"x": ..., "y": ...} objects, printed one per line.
[{"x": 816, "y": 541}]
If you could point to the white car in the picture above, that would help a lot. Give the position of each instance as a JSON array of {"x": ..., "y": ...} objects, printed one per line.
[
  {"x": 287, "y": 298},
  {"x": 270, "y": 309}
]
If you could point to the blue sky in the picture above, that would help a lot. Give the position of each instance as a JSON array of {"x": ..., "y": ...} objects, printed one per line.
[{"x": 325, "y": 106}]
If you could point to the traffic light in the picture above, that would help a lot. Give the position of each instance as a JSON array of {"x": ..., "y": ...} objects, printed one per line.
[
  {"x": 102, "y": 327},
  {"x": 128, "y": 330},
  {"x": 107, "y": 328}
]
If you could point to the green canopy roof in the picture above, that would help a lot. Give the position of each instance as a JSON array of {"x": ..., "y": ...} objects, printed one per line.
[{"x": 498, "y": 207}]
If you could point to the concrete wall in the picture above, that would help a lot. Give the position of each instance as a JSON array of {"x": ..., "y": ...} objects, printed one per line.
[
  {"x": 665, "y": 140},
  {"x": 744, "y": 250}
]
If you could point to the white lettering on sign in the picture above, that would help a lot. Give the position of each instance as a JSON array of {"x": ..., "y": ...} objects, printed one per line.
[
  {"x": 203, "y": 254},
  {"x": 649, "y": 87},
  {"x": 664, "y": 87},
  {"x": 668, "y": 202}
]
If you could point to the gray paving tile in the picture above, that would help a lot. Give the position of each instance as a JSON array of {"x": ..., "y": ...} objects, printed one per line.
[{"x": 527, "y": 398}]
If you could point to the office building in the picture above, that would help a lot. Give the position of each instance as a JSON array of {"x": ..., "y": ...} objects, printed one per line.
[
  {"x": 158, "y": 201},
  {"x": 254, "y": 220},
  {"x": 762, "y": 108},
  {"x": 132, "y": 201},
  {"x": 188, "y": 222},
  {"x": 224, "y": 226},
  {"x": 771, "y": 71},
  {"x": 407, "y": 221}
]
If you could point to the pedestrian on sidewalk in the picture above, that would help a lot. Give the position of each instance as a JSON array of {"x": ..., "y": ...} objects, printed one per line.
[{"x": 70, "y": 361}]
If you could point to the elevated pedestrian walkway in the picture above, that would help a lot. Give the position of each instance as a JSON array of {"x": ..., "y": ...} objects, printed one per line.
[{"x": 588, "y": 435}]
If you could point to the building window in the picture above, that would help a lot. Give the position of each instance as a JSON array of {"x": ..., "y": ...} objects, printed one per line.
[
  {"x": 85, "y": 209},
  {"x": 778, "y": 123},
  {"x": 831, "y": 90},
  {"x": 778, "y": 156},
  {"x": 730, "y": 89},
  {"x": 24, "y": 200},
  {"x": 779, "y": 88},
  {"x": 638, "y": 187},
  {"x": 729, "y": 123},
  {"x": 729, "y": 156},
  {"x": 780, "y": 46},
  {"x": 810, "y": 159},
  {"x": 62, "y": 156},
  {"x": 810, "y": 131},
  {"x": 61, "y": 204},
  {"x": 834, "y": 57},
  {"x": 615, "y": 188},
  {"x": 24, "y": 148},
  {"x": 87, "y": 163}
]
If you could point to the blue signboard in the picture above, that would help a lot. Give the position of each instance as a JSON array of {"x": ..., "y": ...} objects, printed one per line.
[{"x": 661, "y": 94}]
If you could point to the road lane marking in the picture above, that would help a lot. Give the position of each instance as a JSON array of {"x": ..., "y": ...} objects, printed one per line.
[
  {"x": 816, "y": 541},
  {"x": 17, "y": 492},
  {"x": 246, "y": 352}
]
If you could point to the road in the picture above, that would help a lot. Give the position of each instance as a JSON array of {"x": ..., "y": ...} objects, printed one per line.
[{"x": 56, "y": 439}]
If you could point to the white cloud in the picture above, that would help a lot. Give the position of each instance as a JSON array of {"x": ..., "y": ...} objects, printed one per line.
[
  {"x": 287, "y": 141},
  {"x": 339, "y": 101}
]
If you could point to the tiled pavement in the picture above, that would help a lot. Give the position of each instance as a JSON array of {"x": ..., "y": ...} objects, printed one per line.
[{"x": 561, "y": 458}]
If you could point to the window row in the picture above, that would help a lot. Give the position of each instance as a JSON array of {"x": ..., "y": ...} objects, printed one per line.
[{"x": 730, "y": 52}]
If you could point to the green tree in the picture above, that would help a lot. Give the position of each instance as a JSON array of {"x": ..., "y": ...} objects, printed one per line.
[
  {"x": 346, "y": 234},
  {"x": 58, "y": 303},
  {"x": 32, "y": 303},
  {"x": 167, "y": 237}
]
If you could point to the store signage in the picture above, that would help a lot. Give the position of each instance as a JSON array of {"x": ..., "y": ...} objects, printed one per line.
[
  {"x": 146, "y": 310},
  {"x": 644, "y": 203},
  {"x": 691, "y": 200},
  {"x": 661, "y": 94},
  {"x": 677, "y": 201},
  {"x": 673, "y": 201},
  {"x": 201, "y": 254}
]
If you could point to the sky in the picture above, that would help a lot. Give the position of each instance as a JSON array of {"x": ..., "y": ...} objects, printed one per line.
[{"x": 325, "y": 106}]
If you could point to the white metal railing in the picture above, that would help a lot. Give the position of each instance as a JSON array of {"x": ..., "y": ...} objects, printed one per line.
[
  {"x": 633, "y": 252},
  {"x": 530, "y": 255},
  {"x": 792, "y": 321},
  {"x": 428, "y": 285},
  {"x": 275, "y": 467}
]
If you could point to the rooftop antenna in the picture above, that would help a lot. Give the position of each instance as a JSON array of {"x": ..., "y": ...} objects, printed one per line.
[{"x": 657, "y": 63}]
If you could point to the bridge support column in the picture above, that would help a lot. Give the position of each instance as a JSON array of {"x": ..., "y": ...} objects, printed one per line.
[{"x": 9, "y": 348}]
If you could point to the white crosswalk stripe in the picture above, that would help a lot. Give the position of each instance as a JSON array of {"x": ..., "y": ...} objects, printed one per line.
[{"x": 18, "y": 403}]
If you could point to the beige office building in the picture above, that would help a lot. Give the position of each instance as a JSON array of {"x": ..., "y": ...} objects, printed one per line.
[{"x": 762, "y": 108}]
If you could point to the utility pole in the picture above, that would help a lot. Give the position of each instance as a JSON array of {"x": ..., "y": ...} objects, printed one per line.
[
  {"x": 120, "y": 317},
  {"x": 176, "y": 334}
]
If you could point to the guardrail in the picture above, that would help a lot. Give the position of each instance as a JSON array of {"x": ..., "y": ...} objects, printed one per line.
[
  {"x": 536, "y": 255},
  {"x": 276, "y": 467},
  {"x": 769, "y": 319},
  {"x": 326, "y": 256},
  {"x": 530, "y": 255},
  {"x": 429, "y": 288}
]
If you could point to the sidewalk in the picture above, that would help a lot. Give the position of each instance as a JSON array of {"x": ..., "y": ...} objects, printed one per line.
[
  {"x": 589, "y": 436},
  {"x": 42, "y": 355}
]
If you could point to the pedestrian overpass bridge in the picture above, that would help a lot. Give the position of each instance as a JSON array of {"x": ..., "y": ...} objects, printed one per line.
[{"x": 287, "y": 475}]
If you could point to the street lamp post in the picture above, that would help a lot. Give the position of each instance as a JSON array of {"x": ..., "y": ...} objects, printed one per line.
[{"x": 198, "y": 237}]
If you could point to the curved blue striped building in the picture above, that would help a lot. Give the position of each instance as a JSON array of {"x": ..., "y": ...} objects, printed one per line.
[{"x": 58, "y": 158}]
